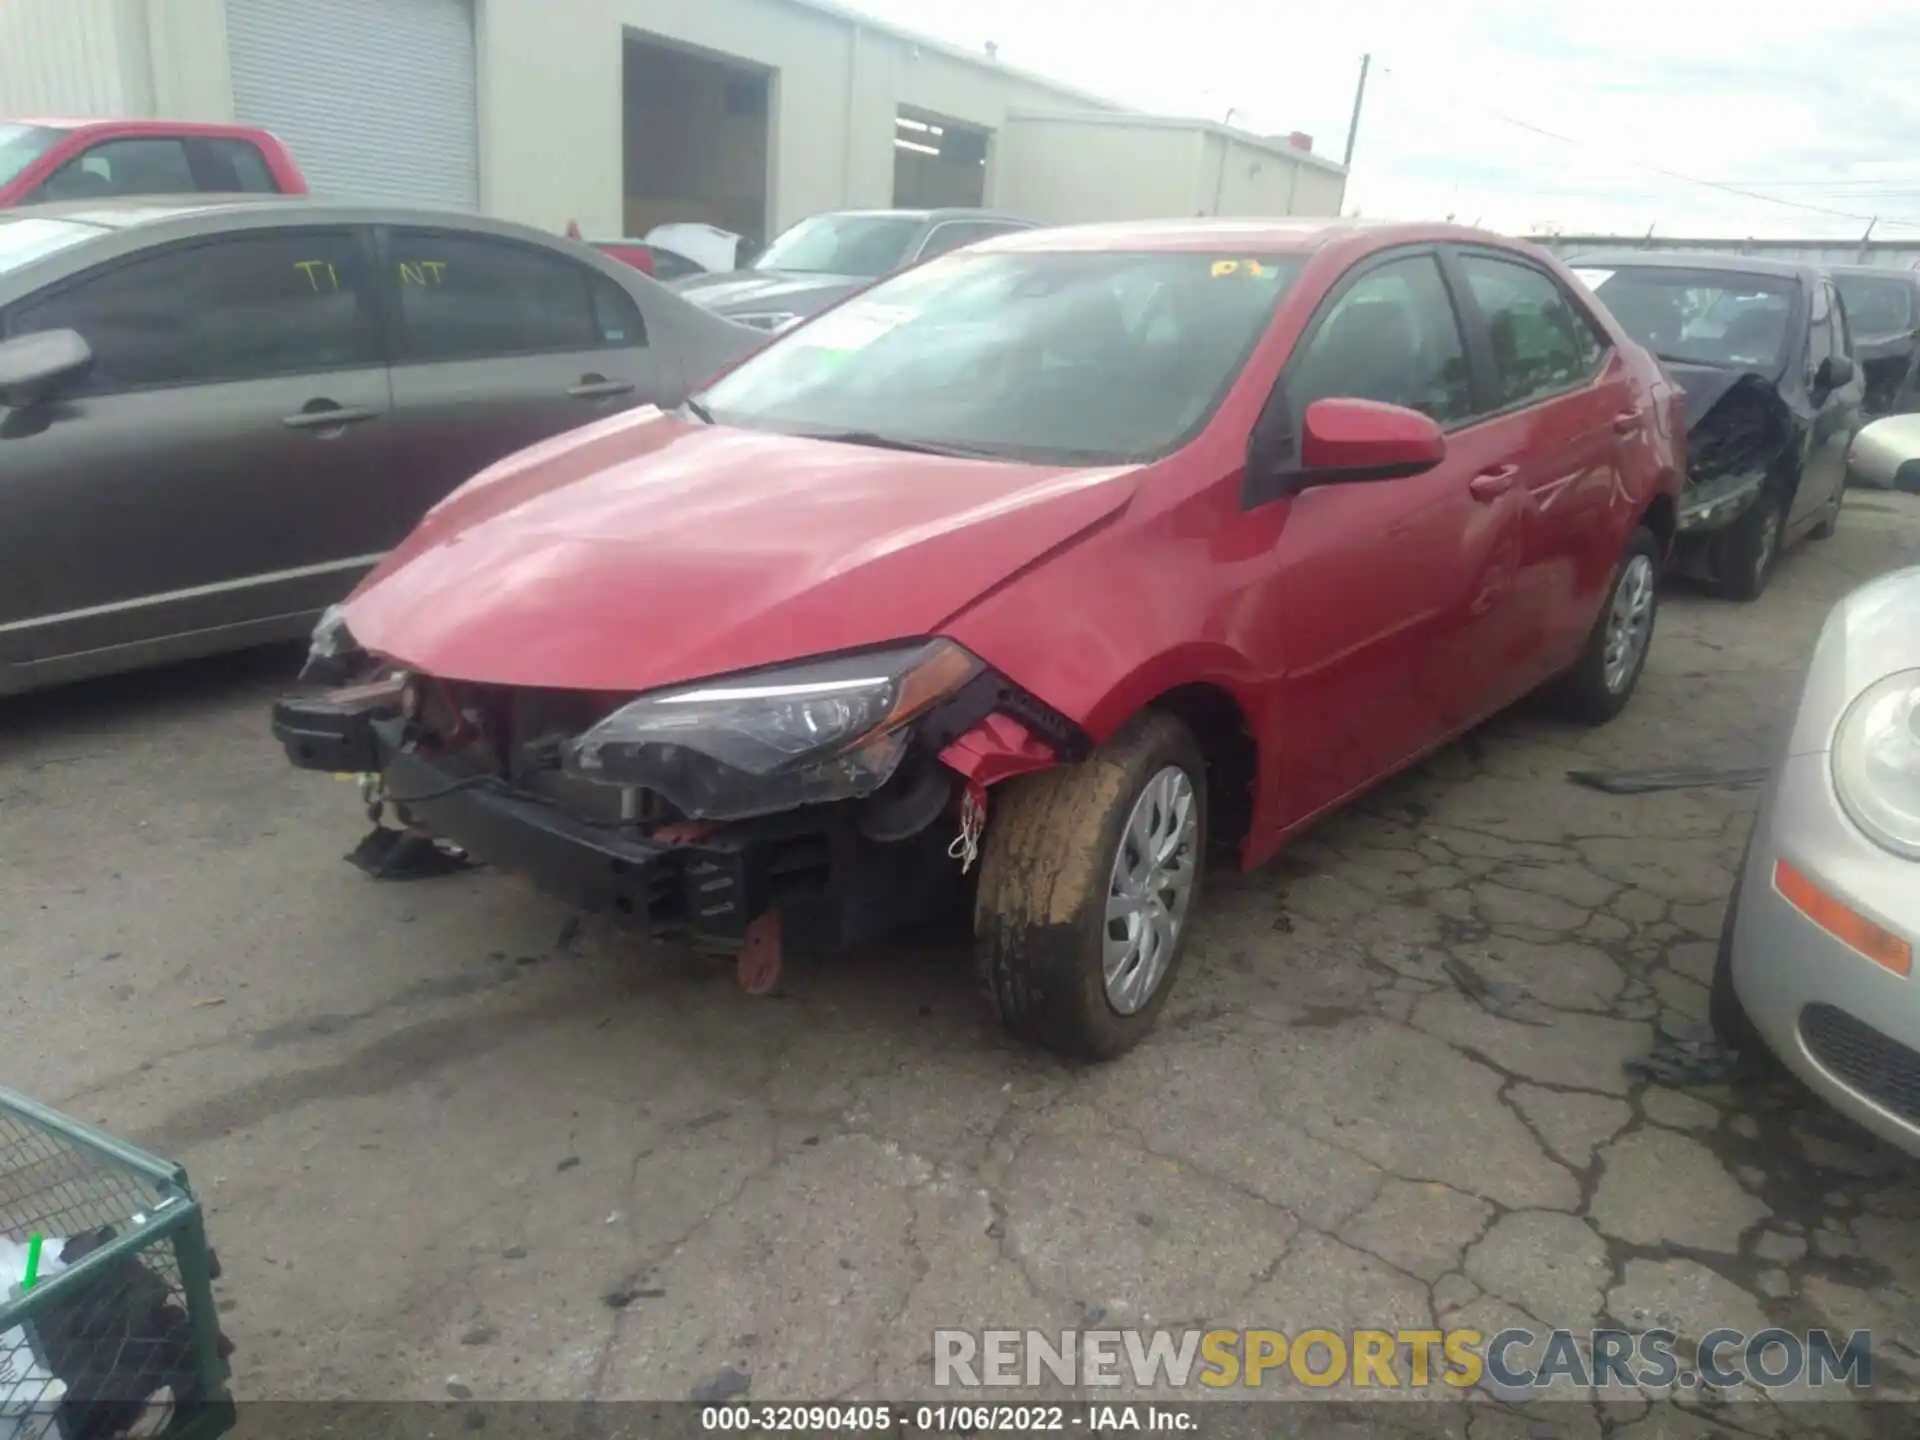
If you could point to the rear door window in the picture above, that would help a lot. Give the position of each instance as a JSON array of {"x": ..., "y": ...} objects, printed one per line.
[
  {"x": 1392, "y": 337},
  {"x": 243, "y": 307},
  {"x": 464, "y": 297},
  {"x": 1542, "y": 344},
  {"x": 147, "y": 166}
]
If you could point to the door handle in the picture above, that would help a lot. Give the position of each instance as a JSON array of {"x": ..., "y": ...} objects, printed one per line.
[
  {"x": 325, "y": 415},
  {"x": 1492, "y": 484},
  {"x": 1627, "y": 421},
  {"x": 594, "y": 387}
]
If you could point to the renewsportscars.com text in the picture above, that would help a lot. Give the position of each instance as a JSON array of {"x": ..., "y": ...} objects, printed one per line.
[{"x": 1390, "y": 1359}]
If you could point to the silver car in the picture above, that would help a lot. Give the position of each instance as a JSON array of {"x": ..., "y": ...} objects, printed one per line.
[
  {"x": 1816, "y": 956},
  {"x": 1886, "y": 455},
  {"x": 216, "y": 416}
]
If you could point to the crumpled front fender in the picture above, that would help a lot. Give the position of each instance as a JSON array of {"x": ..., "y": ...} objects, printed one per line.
[{"x": 997, "y": 749}]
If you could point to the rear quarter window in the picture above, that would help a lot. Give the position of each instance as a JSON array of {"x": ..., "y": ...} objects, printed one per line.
[{"x": 233, "y": 166}]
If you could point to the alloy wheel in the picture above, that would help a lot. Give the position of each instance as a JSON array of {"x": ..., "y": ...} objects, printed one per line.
[
  {"x": 1629, "y": 622},
  {"x": 1150, "y": 888}
]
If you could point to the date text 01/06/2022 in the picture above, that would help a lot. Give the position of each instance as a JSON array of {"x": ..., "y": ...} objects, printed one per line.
[{"x": 944, "y": 1419}]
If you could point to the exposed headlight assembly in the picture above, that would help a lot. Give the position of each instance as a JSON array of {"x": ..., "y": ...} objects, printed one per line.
[
  {"x": 333, "y": 656},
  {"x": 1876, "y": 763},
  {"x": 772, "y": 740}
]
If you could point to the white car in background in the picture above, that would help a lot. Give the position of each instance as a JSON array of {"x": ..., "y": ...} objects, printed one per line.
[
  {"x": 1886, "y": 455},
  {"x": 704, "y": 248},
  {"x": 1816, "y": 955},
  {"x": 673, "y": 252}
]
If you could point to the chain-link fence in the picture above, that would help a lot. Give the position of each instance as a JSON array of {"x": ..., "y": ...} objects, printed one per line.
[{"x": 107, "y": 1325}]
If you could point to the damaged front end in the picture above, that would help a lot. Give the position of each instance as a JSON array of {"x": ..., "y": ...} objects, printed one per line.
[
  {"x": 813, "y": 792},
  {"x": 1739, "y": 432}
]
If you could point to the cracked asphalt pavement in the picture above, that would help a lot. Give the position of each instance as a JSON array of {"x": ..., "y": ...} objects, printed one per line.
[{"x": 446, "y": 1141}]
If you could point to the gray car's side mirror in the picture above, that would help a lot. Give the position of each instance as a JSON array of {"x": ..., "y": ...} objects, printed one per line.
[
  {"x": 1835, "y": 371},
  {"x": 34, "y": 367}
]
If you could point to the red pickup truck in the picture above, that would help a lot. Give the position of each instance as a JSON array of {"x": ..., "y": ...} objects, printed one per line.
[{"x": 43, "y": 161}]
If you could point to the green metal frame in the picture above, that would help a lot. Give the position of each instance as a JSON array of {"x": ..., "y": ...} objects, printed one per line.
[{"x": 176, "y": 1218}]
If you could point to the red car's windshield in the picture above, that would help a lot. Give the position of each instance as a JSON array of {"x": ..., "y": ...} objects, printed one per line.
[
  {"x": 21, "y": 145},
  {"x": 1095, "y": 357}
]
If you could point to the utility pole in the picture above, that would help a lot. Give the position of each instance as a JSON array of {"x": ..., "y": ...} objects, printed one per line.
[{"x": 1359, "y": 95}]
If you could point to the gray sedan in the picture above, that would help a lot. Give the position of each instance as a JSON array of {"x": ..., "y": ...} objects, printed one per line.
[
  {"x": 1816, "y": 957},
  {"x": 216, "y": 416}
]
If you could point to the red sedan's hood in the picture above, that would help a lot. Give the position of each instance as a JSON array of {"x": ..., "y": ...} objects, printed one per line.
[{"x": 644, "y": 551}]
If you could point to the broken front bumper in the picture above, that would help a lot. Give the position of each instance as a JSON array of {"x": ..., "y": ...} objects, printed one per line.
[{"x": 832, "y": 886}]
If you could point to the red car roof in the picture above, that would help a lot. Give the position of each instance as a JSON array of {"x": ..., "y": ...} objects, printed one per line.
[
  {"x": 137, "y": 123},
  {"x": 1294, "y": 235}
]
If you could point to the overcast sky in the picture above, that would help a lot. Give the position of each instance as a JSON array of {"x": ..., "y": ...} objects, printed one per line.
[{"x": 1825, "y": 116}]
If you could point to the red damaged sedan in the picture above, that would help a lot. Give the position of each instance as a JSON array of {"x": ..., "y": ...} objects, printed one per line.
[{"x": 1023, "y": 579}]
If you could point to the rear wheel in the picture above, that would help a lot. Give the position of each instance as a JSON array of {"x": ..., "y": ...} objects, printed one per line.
[
  {"x": 1602, "y": 680},
  {"x": 1087, "y": 880},
  {"x": 1744, "y": 556}
]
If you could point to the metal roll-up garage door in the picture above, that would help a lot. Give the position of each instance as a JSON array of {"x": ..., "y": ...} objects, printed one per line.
[{"x": 376, "y": 98}]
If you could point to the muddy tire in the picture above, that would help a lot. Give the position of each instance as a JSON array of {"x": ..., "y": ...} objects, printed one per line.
[
  {"x": 1744, "y": 556},
  {"x": 1597, "y": 688},
  {"x": 1059, "y": 847}
]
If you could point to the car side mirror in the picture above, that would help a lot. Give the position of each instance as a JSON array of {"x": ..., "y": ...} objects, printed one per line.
[
  {"x": 1835, "y": 371},
  {"x": 34, "y": 367},
  {"x": 1342, "y": 441}
]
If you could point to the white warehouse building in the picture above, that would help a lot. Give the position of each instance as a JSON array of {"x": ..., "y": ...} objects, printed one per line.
[{"x": 621, "y": 114}]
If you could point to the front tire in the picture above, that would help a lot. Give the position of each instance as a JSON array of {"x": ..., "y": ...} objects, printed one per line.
[
  {"x": 1830, "y": 522},
  {"x": 1602, "y": 680},
  {"x": 1088, "y": 877},
  {"x": 1744, "y": 557}
]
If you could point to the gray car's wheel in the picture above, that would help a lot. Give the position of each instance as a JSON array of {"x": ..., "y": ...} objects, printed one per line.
[
  {"x": 1602, "y": 680},
  {"x": 1744, "y": 556},
  {"x": 1088, "y": 876},
  {"x": 1830, "y": 521}
]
